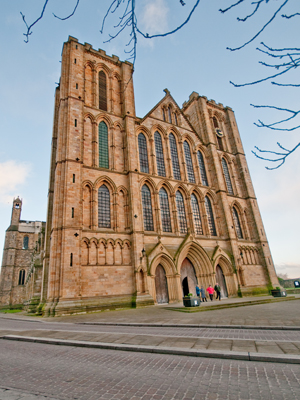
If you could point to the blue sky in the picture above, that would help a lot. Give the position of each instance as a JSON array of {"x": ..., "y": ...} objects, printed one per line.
[{"x": 194, "y": 59}]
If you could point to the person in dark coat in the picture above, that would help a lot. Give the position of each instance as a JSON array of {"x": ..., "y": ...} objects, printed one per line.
[
  {"x": 218, "y": 291},
  {"x": 197, "y": 291},
  {"x": 203, "y": 295}
]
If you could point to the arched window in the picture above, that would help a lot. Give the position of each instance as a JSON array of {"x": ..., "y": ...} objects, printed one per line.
[
  {"x": 202, "y": 169},
  {"x": 102, "y": 91},
  {"x": 22, "y": 277},
  {"x": 164, "y": 114},
  {"x": 210, "y": 217},
  {"x": 227, "y": 176},
  {"x": 103, "y": 145},
  {"x": 147, "y": 209},
  {"x": 189, "y": 163},
  {"x": 25, "y": 242},
  {"x": 165, "y": 211},
  {"x": 174, "y": 157},
  {"x": 237, "y": 224},
  {"x": 175, "y": 117},
  {"x": 170, "y": 114},
  {"x": 160, "y": 162},
  {"x": 181, "y": 213},
  {"x": 215, "y": 121},
  {"x": 143, "y": 153},
  {"x": 103, "y": 207},
  {"x": 196, "y": 215}
]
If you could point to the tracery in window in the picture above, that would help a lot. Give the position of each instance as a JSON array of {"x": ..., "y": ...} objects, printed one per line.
[
  {"x": 147, "y": 209},
  {"x": 227, "y": 176},
  {"x": 181, "y": 213},
  {"x": 103, "y": 145},
  {"x": 143, "y": 153},
  {"x": 103, "y": 207},
  {"x": 202, "y": 169},
  {"x": 22, "y": 277},
  {"x": 237, "y": 224},
  {"x": 165, "y": 211},
  {"x": 174, "y": 157},
  {"x": 25, "y": 242},
  {"x": 189, "y": 163},
  {"x": 160, "y": 162},
  {"x": 210, "y": 217},
  {"x": 196, "y": 215},
  {"x": 102, "y": 91}
]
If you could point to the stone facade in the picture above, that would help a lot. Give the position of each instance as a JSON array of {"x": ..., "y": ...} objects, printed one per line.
[
  {"x": 106, "y": 246},
  {"x": 140, "y": 210},
  {"x": 21, "y": 270}
]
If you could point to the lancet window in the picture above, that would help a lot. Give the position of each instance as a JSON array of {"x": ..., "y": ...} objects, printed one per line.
[
  {"x": 210, "y": 217},
  {"x": 237, "y": 224},
  {"x": 22, "y": 277},
  {"x": 103, "y": 145},
  {"x": 102, "y": 91},
  {"x": 143, "y": 153},
  {"x": 189, "y": 163},
  {"x": 181, "y": 213},
  {"x": 160, "y": 162},
  {"x": 196, "y": 215},
  {"x": 174, "y": 157},
  {"x": 202, "y": 169},
  {"x": 227, "y": 176},
  {"x": 104, "y": 220},
  {"x": 147, "y": 209},
  {"x": 165, "y": 211},
  {"x": 25, "y": 242}
]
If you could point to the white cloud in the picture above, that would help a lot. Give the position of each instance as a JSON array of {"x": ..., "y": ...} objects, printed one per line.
[
  {"x": 154, "y": 17},
  {"x": 12, "y": 175},
  {"x": 291, "y": 269}
]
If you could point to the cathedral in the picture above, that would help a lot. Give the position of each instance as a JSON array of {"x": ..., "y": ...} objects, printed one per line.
[{"x": 141, "y": 210}]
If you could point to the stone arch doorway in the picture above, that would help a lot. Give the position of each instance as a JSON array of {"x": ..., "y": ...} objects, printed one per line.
[
  {"x": 220, "y": 278},
  {"x": 161, "y": 285},
  {"x": 188, "y": 278}
]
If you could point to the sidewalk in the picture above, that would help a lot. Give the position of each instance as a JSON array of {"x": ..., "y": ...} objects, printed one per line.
[{"x": 268, "y": 331}]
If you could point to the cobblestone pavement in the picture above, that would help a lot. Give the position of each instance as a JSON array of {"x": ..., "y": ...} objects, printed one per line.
[{"x": 36, "y": 371}]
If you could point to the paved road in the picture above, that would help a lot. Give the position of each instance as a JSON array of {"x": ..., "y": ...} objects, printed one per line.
[{"x": 34, "y": 370}]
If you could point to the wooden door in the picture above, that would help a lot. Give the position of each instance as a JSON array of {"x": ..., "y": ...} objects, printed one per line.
[
  {"x": 221, "y": 281},
  {"x": 161, "y": 285}
]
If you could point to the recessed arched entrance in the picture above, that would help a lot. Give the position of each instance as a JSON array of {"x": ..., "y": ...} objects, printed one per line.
[
  {"x": 161, "y": 285},
  {"x": 221, "y": 281},
  {"x": 188, "y": 277}
]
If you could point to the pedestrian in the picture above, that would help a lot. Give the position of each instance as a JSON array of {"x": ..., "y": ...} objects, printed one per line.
[
  {"x": 203, "y": 295},
  {"x": 197, "y": 291},
  {"x": 210, "y": 290},
  {"x": 218, "y": 291}
]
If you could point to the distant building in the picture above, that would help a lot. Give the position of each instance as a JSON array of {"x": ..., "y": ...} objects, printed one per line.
[
  {"x": 141, "y": 209},
  {"x": 21, "y": 269}
]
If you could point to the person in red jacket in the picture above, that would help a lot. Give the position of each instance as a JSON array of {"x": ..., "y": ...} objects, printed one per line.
[{"x": 210, "y": 290}]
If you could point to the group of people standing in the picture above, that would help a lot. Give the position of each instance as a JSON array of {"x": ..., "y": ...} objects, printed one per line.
[{"x": 210, "y": 291}]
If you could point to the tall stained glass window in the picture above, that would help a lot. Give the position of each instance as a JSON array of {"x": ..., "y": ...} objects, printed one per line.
[
  {"x": 160, "y": 162},
  {"x": 103, "y": 145},
  {"x": 147, "y": 209},
  {"x": 174, "y": 157},
  {"x": 227, "y": 176},
  {"x": 104, "y": 207},
  {"x": 196, "y": 215},
  {"x": 143, "y": 153},
  {"x": 165, "y": 211},
  {"x": 210, "y": 217},
  {"x": 181, "y": 213},
  {"x": 189, "y": 163},
  {"x": 237, "y": 224},
  {"x": 102, "y": 91},
  {"x": 202, "y": 169}
]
